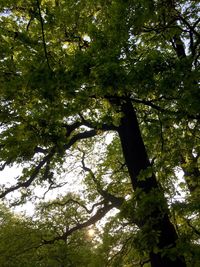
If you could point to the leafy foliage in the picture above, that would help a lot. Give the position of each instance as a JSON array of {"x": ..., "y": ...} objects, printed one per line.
[{"x": 69, "y": 71}]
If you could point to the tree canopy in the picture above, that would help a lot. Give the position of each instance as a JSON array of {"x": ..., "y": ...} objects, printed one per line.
[{"x": 103, "y": 95}]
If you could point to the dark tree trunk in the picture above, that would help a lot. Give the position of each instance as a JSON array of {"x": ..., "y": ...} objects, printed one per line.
[{"x": 155, "y": 216}]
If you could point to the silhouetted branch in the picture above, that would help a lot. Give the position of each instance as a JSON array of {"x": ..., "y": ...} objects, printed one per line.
[
  {"x": 6, "y": 163},
  {"x": 197, "y": 232},
  {"x": 80, "y": 136},
  {"x": 95, "y": 218},
  {"x": 70, "y": 200},
  {"x": 43, "y": 35},
  {"x": 103, "y": 126},
  {"x": 116, "y": 201},
  {"x": 34, "y": 174},
  {"x": 192, "y": 28}
]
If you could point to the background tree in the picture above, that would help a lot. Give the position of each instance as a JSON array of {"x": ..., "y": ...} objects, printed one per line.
[{"x": 73, "y": 70}]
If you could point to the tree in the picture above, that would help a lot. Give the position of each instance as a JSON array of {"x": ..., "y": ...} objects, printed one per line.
[
  {"x": 26, "y": 246},
  {"x": 72, "y": 71}
]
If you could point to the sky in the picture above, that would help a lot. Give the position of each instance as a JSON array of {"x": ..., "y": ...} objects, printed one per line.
[{"x": 71, "y": 179}]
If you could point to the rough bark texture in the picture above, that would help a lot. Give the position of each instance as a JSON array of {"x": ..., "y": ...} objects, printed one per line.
[{"x": 137, "y": 160}]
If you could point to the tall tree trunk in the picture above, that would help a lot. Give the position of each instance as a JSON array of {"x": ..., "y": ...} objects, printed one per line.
[{"x": 150, "y": 198}]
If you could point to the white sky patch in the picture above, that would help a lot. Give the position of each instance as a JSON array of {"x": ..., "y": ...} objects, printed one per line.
[
  {"x": 70, "y": 179},
  {"x": 86, "y": 38},
  {"x": 91, "y": 232},
  {"x": 65, "y": 45}
]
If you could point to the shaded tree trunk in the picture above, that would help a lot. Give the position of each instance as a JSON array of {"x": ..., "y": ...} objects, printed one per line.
[{"x": 155, "y": 215}]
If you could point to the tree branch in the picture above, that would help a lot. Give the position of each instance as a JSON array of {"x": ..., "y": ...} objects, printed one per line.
[
  {"x": 34, "y": 174},
  {"x": 43, "y": 35},
  {"x": 80, "y": 136},
  {"x": 62, "y": 204},
  {"x": 2, "y": 166},
  {"x": 197, "y": 232},
  {"x": 192, "y": 28},
  {"x": 98, "y": 216},
  {"x": 103, "y": 127},
  {"x": 47, "y": 159},
  {"x": 116, "y": 201},
  {"x": 178, "y": 46}
]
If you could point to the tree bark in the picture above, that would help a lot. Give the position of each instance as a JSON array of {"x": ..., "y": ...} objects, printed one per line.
[{"x": 156, "y": 216}]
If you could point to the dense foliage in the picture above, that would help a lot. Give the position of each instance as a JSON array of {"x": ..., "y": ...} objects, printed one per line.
[{"x": 103, "y": 95}]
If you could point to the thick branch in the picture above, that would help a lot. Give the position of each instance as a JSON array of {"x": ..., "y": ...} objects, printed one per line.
[
  {"x": 6, "y": 163},
  {"x": 63, "y": 204},
  {"x": 34, "y": 174},
  {"x": 192, "y": 28},
  {"x": 178, "y": 46},
  {"x": 40, "y": 150},
  {"x": 103, "y": 126},
  {"x": 151, "y": 104},
  {"x": 71, "y": 127},
  {"x": 197, "y": 232},
  {"x": 98, "y": 216},
  {"x": 46, "y": 160},
  {"x": 80, "y": 136}
]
